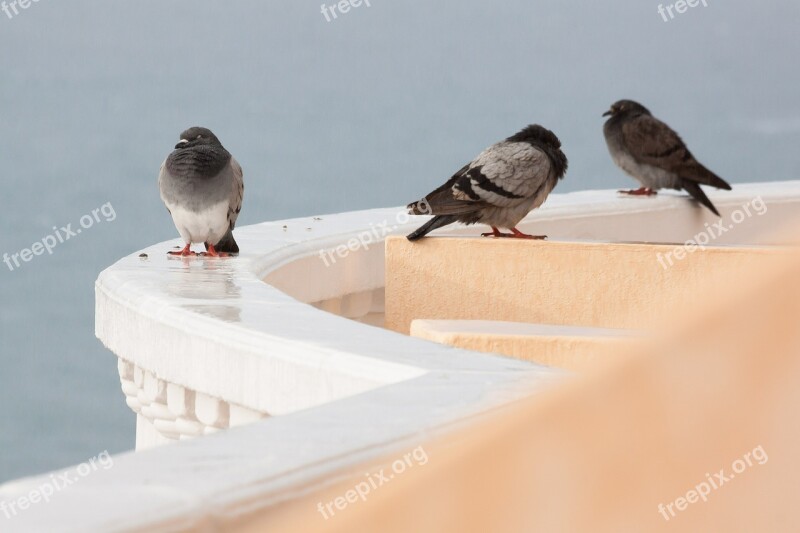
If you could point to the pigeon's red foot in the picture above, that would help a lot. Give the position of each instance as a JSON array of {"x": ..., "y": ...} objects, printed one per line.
[
  {"x": 642, "y": 191},
  {"x": 515, "y": 234},
  {"x": 214, "y": 253},
  {"x": 183, "y": 253},
  {"x": 495, "y": 233}
]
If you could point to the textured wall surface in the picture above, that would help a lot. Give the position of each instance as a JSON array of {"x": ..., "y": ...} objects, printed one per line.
[
  {"x": 699, "y": 434},
  {"x": 549, "y": 282}
]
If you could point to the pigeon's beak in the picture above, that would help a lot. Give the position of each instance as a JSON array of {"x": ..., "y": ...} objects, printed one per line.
[
  {"x": 608, "y": 113},
  {"x": 181, "y": 143}
]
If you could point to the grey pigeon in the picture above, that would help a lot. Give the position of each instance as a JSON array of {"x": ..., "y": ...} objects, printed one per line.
[
  {"x": 499, "y": 187},
  {"x": 652, "y": 153},
  {"x": 202, "y": 186}
]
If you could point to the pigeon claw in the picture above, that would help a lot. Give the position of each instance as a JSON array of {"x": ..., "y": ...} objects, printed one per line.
[
  {"x": 515, "y": 234},
  {"x": 494, "y": 233},
  {"x": 642, "y": 191},
  {"x": 212, "y": 252},
  {"x": 187, "y": 251}
]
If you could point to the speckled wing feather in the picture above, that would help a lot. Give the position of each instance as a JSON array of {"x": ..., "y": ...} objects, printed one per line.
[
  {"x": 652, "y": 142},
  {"x": 503, "y": 175},
  {"x": 237, "y": 192}
]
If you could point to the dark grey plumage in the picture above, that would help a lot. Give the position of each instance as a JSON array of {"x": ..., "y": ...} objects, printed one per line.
[
  {"x": 499, "y": 187},
  {"x": 202, "y": 186},
  {"x": 656, "y": 156}
]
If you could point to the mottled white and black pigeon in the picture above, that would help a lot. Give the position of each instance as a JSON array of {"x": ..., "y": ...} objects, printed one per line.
[
  {"x": 499, "y": 187},
  {"x": 202, "y": 186},
  {"x": 653, "y": 154}
]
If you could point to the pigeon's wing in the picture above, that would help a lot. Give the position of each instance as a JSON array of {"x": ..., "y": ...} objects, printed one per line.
[
  {"x": 442, "y": 200},
  {"x": 237, "y": 192},
  {"x": 504, "y": 175},
  {"x": 652, "y": 142},
  {"x": 162, "y": 176}
]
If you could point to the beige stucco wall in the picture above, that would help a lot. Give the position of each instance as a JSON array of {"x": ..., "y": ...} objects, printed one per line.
[
  {"x": 623, "y": 449},
  {"x": 563, "y": 283}
]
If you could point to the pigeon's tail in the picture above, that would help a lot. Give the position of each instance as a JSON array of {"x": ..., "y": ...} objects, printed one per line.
[
  {"x": 718, "y": 182},
  {"x": 697, "y": 193},
  {"x": 702, "y": 175},
  {"x": 434, "y": 223},
  {"x": 227, "y": 244}
]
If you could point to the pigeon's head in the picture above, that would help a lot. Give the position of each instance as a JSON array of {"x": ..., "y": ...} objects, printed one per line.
[
  {"x": 535, "y": 134},
  {"x": 626, "y": 108},
  {"x": 197, "y": 136},
  {"x": 545, "y": 140}
]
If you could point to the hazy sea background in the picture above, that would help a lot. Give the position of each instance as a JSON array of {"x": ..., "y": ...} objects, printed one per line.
[{"x": 372, "y": 109}]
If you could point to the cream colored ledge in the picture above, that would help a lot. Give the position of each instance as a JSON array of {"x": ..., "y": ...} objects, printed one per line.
[{"x": 572, "y": 348}]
